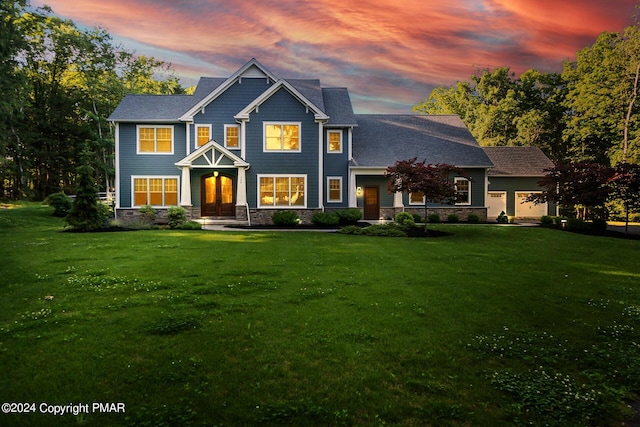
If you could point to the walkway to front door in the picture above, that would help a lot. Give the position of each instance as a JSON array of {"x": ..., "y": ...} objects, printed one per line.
[{"x": 218, "y": 195}]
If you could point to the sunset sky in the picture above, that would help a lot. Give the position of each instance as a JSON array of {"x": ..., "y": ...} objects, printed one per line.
[{"x": 390, "y": 54}]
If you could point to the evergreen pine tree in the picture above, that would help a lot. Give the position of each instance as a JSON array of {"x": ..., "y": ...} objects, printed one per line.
[{"x": 85, "y": 213}]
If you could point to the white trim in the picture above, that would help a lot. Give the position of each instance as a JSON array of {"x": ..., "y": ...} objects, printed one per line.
[
  {"x": 234, "y": 126},
  {"x": 282, "y": 124},
  {"x": 424, "y": 200},
  {"x": 195, "y": 136},
  {"x": 333, "y": 178},
  {"x": 339, "y": 132},
  {"x": 117, "y": 165},
  {"x": 213, "y": 153},
  {"x": 148, "y": 177},
  {"x": 154, "y": 127},
  {"x": 261, "y": 206},
  {"x": 350, "y": 142},
  {"x": 462, "y": 179},
  {"x": 226, "y": 85},
  {"x": 255, "y": 104}
]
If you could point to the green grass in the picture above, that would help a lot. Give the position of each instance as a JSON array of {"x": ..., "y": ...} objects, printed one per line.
[{"x": 489, "y": 326}]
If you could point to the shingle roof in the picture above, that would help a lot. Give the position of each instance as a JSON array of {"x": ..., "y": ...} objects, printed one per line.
[
  {"x": 381, "y": 140},
  {"x": 338, "y": 107},
  {"x": 517, "y": 161},
  {"x": 310, "y": 89},
  {"x": 151, "y": 108}
]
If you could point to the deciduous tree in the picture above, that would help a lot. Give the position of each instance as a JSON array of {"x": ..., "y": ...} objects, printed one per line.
[{"x": 435, "y": 182}]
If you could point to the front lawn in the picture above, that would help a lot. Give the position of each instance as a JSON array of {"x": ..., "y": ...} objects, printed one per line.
[{"x": 488, "y": 326}]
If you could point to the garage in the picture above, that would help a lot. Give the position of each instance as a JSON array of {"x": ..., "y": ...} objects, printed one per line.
[
  {"x": 526, "y": 209},
  {"x": 496, "y": 203}
]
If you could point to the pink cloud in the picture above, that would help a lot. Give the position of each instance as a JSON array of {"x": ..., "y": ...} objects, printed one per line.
[{"x": 390, "y": 52}]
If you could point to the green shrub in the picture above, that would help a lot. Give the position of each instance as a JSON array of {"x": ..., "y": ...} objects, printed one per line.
[
  {"x": 546, "y": 220},
  {"x": 325, "y": 219},
  {"x": 285, "y": 218},
  {"x": 177, "y": 216},
  {"x": 385, "y": 230},
  {"x": 453, "y": 218},
  {"x": 599, "y": 224},
  {"x": 417, "y": 218},
  {"x": 473, "y": 218},
  {"x": 349, "y": 216},
  {"x": 433, "y": 218},
  {"x": 502, "y": 218},
  {"x": 575, "y": 224},
  {"x": 60, "y": 202},
  {"x": 405, "y": 218},
  {"x": 148, "y": 214},
  {"x": 351, "y": 229},
  {"x": 190, "y": 225}
]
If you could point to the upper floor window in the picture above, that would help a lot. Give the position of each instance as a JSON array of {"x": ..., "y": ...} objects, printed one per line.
[
  {"x": 463, "y": 191},
  {"x": 232, "y": 136},
  {"x": 282, "y": 137},
  {"x": 203, "y": 134},
  {"x": 334, "y": 141},
  {"x": 155, "y": 139}
]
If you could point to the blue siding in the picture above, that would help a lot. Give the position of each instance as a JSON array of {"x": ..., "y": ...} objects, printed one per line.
[
  {"x": 223, "y": 109},
  {"x": 337, "y": 165},
  {"x": 282, "y": 107},
  {"x": 146, "y": 164}
]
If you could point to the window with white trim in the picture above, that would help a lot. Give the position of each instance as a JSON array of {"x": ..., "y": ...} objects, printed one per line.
[
  {"x": 334, "y": 186},
  {"x": 155, "y": 191},
  {"x": 463, "y": 191},
  {"x": 154, "y": 139},
  {"x": 282, "y": 137},
  {"x": 203, "y": 134},
  {"x": 232, "y": 136},
  {"x": 416, "y": 198},
  {"x": 282, "y": 190},
  {"x": 334, "y": 141}
]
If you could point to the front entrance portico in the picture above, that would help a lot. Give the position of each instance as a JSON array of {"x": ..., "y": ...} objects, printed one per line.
[{"x": 223, "y": 189}]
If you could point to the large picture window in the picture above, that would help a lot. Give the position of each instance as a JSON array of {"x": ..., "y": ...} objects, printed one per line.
[
  {"x": 463, "y": 191},
  {"x": 155, "y": 139},
  {"x": 155, "y": 191},
  {"x": 282, "y": 137},
  {"x": 280, "y": 190}
]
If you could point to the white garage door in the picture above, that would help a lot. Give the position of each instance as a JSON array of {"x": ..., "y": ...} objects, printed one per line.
[
  {"x": 496, "y": 203},
  {"x": 528, "y": 209}
]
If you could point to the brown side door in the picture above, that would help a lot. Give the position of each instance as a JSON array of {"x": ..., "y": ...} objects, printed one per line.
[
  {"x": 371, "y": 203},
  {"x": 218, "y": 195}
]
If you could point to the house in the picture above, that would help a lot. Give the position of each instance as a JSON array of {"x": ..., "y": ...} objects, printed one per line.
[
  {"x": 513, "y": 178},
  {"x": 246, "y": 146}
]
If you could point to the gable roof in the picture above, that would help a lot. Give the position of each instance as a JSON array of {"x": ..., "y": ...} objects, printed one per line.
[
  {"x": 210, "y": 155},
  {"x": 281, "y": 84},
  {"x": 517, "y": 161},
  {"x": 382, "y": 139},
  {"x": 251, "y": 69}
]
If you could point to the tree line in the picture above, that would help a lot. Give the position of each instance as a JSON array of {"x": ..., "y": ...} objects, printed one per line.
[
  {"x": 59, "y": 84},
  {"x": 587, "y": 113}
]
